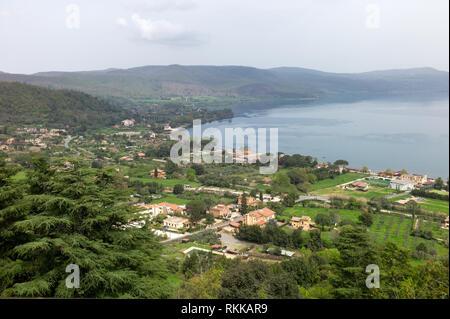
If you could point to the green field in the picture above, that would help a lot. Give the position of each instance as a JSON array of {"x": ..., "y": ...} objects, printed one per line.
[
  {"x": 396, "y": 229},
  {"x": 435, "y": 205},
  {"x": 373, "y": 191},
  {"x": 341, "y": 179},
  {"x": 166, "y": 182},
  {"x": 312, "y": 212}
]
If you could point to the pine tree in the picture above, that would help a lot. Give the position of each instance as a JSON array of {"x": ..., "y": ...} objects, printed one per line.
[{"x": 61, "y": 217}]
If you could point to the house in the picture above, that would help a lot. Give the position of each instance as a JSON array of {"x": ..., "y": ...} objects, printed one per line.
[
  {"x": 361, "y": 186},
  {"x": 401, "y": 185},
  {"x": 258, "y": 217},
  {"x": 251, "y": 201},
  {"x": 445, "y": 224},
  {"x": 4, "y": 147},
  {"x": 220, "y": 211},
  {"x": 128, "y": 123},
  {"x": 159, "y": 173},
  {"x": 161, "y": 208},
  {"x": 176, "y": 223},
  {"x": 414, "y": 178},
  {"x": 304, "y": 223},
  {"x": 141, "y": 155}
]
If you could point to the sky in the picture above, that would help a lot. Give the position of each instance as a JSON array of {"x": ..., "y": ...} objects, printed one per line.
[{"x": 328, "y": 35}]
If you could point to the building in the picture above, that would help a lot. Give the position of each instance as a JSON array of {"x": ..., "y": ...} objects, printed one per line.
[
  {"x": 176, "y": 223},
  {"x": 159, "y": 173},
  {"x": 445, "y": 224},
  {"x": 258, "y": 217},
  {"x": 251, "y": 201},
  {"x": 128, "y": 123},
  {"x": 220, "y": 211},
  {"x": 161, "y": 208},
  {"x": 361, "y": 186},
  {"x": 304, "y": 223},
  {"x": 401, "y": 185},
  {"x": 414, "y": 178}
]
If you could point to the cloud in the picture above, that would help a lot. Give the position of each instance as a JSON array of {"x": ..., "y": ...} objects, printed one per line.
[
  {"x": 164, "y": 32},
  {"x": 4, "y": 13},
  {"x": 122, "y": 22},
  {"x": 165, "y": 5}
]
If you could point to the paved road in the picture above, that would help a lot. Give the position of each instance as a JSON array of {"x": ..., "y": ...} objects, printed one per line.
[
  {"x": 398, "y": 195},
  {"x": 67, "y": 141},
  {"x": 308, "y": 197}
]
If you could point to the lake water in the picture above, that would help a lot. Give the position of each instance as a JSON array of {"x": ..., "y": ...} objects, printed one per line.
[{"x": 378, "y": 134}]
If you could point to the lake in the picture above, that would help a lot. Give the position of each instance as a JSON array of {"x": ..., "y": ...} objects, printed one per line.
[{"x": 378, "y": 134}]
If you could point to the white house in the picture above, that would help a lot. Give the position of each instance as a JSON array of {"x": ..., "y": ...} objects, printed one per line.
[
  {"x": 401, "y": 185},
  {"x": 176, "y": 223}
]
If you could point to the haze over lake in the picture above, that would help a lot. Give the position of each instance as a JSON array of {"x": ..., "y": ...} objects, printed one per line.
[{"x": 378, "y": 134}]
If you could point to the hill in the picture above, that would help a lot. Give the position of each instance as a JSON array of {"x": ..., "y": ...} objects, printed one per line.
[
  {"x": 154, "y": 82},
  {"x": 26, "y": 104}
]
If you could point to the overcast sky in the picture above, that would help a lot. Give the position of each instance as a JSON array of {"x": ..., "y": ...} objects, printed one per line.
[{"x": 328, "y": 35}]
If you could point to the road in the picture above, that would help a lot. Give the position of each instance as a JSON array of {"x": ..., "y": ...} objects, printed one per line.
[
  {"x": 67, "y": 141},
  {"x": 398, "y": 195},
  {"x": 309, "y": 197}
]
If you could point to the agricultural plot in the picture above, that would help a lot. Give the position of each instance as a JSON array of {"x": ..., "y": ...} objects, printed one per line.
[
  {"x": 435, "y": 205},
  {"x": 338, "y": 180},
  {"x": 373, "y": 191},
  {"x": 397, "y": 229},
  {"x": 312, "y": 212}
]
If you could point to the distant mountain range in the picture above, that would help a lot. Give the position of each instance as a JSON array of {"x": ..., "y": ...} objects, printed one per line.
[{"x": 153, "y": 82}]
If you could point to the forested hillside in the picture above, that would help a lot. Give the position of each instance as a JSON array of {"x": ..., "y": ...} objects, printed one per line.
[
  {"x": 155, "y": 82},
  {"x": 26, "y": 104}
]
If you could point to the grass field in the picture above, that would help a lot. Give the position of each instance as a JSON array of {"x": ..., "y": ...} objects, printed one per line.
[
  {"x": 373, "y": 191},
  {"x": 312, "y": 212},
  {"x": 341, "y": 179},
  {"x": 435, "y": 205},
  {"x": 166, "y": 182}
]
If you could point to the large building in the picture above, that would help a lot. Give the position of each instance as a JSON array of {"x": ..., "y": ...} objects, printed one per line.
[
  {"x": 176, "y": 223},
  {"x": 401, "y": 185},
  {"x": 161, "y": 208},
  {"x": 220, "y": 211},
  {"x": 415, "y": 179},
  {"x": 251, "y": 201},
  {"x": 258, "y": 217}
]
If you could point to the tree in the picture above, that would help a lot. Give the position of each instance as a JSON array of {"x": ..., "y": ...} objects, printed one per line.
[
  {"x": 155, "y": 172},
  {"x": 297, "y": 238},
  {"x": 60, "y": 217},
  {"x": 365, "y": 170},
  {"x": 323, "y": 220},
  {"x": 439, "y": 183},
  {"x": 171, "y": 167},
  {"x": 366, "y": 219},
  {"x": 190, "y": 174},
  {"x": 356, "y": 252},
  {"x": 196, "y": 209},
  {"x": 403, "y": 171},
  {"x": 289, "y": 200},
  {"x": 341, "y": 162},
  {"x": 210, "y": 219},
  {"x": 178, "y": 189},
  {"x": 413, "y": 208},
  {"x": 388, "y": 171},
  {"x": 243, "y": 209}
]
